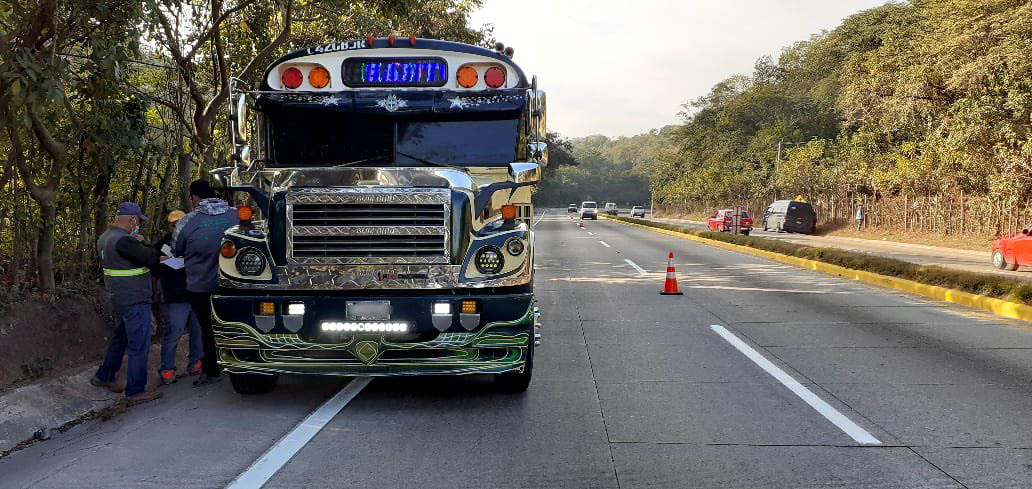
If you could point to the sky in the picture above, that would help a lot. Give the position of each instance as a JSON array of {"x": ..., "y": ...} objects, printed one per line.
[{"x": 624, "y": 67}]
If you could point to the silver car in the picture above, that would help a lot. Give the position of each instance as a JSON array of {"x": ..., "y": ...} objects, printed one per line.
[{"x": 638, "y": 211}]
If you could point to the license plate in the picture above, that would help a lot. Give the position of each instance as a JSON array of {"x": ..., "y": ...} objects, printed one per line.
[{"x": 368, "y": 310}]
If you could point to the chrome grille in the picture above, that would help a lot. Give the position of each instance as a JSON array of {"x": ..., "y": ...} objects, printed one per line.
[{"x": 368, "y": 225}]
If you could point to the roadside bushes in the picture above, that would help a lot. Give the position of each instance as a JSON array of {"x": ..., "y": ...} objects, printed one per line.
[{"x": 976, "y": 283}]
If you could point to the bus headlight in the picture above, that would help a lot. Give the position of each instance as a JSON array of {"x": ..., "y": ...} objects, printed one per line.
[
  {"x": 250, "y": 263},
  {"x": 489, "y": 260}
]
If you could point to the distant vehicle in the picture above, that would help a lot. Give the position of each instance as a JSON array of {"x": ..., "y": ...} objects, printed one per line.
[
  {"x": 611, "y": 208},
  {"x": 791, "y": 216},
  {"x": 589, "y": 210},
  {"x": 638, "y": 211},
  {"x": 571, "y": 209},
  {"x": 723, "y": 221},
  {"x": 1010, "y": 253}
]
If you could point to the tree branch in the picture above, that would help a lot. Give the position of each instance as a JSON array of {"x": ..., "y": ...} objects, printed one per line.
[{"x": 215, "y": 25}]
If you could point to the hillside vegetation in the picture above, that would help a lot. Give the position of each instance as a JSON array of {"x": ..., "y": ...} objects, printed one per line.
[{"x": 919, "y": 110}]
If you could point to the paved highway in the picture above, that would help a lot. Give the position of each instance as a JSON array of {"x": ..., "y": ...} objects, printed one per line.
[{"x": 761, "y": 375}]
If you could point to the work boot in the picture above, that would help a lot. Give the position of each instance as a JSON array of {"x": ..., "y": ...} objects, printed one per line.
[
  {"x": 168, "y": 377},
  {"x": 194, "y": 369},
  {"x": 142, "y": 397},
  {"x": 113, "y": 386}
]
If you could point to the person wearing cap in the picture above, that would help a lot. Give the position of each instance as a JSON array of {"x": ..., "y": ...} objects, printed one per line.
[
  {"x": 127, "y": 263},
  {"x": 179, "y": 315},
  {"x": 197, "y": 239}
]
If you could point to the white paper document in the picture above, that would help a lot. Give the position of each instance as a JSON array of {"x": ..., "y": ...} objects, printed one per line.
[
  {"x": 174, "y": 263},
  {"x": 166, "y": 250}
]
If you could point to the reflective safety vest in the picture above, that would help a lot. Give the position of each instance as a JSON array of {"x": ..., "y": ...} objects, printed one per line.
[{"x": 127, "y": 283}]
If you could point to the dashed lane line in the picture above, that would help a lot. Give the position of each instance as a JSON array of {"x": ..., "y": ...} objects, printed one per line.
[
  {"x": 636, "y": 267},
  {"x": 845, "y": 424},
  {"x": 605, "y": 244},
  {"x": 276, "y": 457}
]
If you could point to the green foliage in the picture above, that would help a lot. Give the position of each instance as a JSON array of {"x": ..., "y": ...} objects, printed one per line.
[{"x": 919, "y": 98}]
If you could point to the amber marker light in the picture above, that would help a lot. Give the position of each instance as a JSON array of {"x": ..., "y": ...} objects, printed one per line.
[
  {"x": 467, "y": 76},
  {"x": 228, "y": 249},
  {"x": 508, "y": 212},
  {"x": 469, "y": 307},
  {"x": 319, "y": 77},
  {"x": 266, "y": 308}
]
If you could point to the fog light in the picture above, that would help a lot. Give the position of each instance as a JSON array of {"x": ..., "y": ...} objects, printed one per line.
[
  {"x": 469, "y": 307},
  {"x": 296, "y": 309},
  {"x": 266, "y": 308},
  {"x": 442, "y": 308},
  {"x": 489, "y": 260}
]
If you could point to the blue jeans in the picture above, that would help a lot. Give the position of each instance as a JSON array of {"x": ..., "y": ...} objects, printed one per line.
[
  {"x": 179, "y": 316},
  {"x": 132, "y": 332}
]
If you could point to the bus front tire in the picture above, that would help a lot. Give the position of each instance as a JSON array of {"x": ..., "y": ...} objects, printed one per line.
[
  {"x": 517, "y": 381},
  {"x": 248, "y": 384}
]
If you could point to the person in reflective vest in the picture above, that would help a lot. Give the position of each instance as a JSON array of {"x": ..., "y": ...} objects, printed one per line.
[{"x": 126, "y": 261}]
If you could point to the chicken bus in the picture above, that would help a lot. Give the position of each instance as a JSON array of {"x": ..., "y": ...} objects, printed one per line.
[{"x": 389, "y": 231}]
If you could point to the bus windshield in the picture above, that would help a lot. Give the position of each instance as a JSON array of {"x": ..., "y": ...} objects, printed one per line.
[{"x": 323, "y": 138}]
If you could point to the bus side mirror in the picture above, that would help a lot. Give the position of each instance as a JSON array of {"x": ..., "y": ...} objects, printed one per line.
[
  {"x": 238, "y": 118},
  {"x": 525, "y": 172},
  {"x": 538, "y": 152}
]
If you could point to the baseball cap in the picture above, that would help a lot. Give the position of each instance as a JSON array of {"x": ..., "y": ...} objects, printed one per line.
[
  {"x": 175, "y": 216},
  {"x": 131, "y": 209}
]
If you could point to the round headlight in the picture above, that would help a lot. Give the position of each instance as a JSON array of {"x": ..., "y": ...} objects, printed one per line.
[
  {"x": 250, "y": 263},
  {"x": 489, "y": 260},
  {"x": 514, "y": 246}
]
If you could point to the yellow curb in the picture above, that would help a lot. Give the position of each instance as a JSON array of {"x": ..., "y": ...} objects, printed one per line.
[{"x": 995, "y": 306}]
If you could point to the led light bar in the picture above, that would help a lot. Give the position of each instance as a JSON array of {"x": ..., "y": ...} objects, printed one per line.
[
  {"x": 296, "y": 309},
  {"x": 364, "y": 327}
]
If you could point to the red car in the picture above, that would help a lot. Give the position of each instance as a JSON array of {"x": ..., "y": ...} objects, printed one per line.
[
  {"x": 1010, "y": 253},
  {"x": 723, "y": 221}
]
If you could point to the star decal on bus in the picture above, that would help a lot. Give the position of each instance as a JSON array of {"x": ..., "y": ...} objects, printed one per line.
[
  {"x": 458, "y": 102},
  {"x": 392, "y": 103}
]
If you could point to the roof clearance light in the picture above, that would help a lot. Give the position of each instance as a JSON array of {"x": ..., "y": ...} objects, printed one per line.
[
  {"x": 370, "y": 40},
  {"x": 291, "y": 78},
  {"x": 467, "y": 76},
  {"x": 391, "y": 39},
  {"x": 319, "y": 77},
  {"x": 412, "y": 40},
  {"x": 494, "y": 77}
]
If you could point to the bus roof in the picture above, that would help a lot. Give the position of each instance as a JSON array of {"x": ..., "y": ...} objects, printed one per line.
[{"x": 383, "y": 47}]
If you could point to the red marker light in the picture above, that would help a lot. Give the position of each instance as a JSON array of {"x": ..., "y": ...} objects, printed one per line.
[
  {"x": 412, "y": 40},
  {"x": 369, "y": 41},
  {"x": 494, "y": 77},
  {"x": 292, "y": 78},
  {"x": 391, "y": 39}
]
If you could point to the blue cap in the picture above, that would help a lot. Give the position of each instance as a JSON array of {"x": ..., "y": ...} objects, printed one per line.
[{"x": 131, "y": 209}]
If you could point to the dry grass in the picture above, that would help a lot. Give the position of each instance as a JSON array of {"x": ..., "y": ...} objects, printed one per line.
[{"x": 976, "y": 283}]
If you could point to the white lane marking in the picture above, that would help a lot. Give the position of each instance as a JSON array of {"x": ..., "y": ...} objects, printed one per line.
[
  {"x": 838, "y": 419},
  {"x": 590, "y": 233},
  {"x": 276, "y": 457},
  {"x": 636, "y": 267},
  {"x": 539, "y": 219},
  {"x": 605, "y": 244}
]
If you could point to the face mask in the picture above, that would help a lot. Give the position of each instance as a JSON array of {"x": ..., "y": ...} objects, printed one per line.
[{"x": 136, "y": 230}]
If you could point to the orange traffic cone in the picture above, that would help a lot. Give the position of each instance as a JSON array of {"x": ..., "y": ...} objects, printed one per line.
[{"x": 670, "y": 286}]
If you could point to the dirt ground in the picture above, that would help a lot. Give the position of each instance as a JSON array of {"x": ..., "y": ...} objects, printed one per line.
[{"x": 42, "y": 337}]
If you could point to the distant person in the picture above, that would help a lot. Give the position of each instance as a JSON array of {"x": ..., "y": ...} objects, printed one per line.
[
  {"x": 859, "y": 218},
  {"x": 197, "y": 239},
  {"x": 127, "y": 264},
  {"x": 179, "y": 315}
]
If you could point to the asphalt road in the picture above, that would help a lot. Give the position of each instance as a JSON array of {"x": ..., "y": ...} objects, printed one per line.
[{"x": 760, "y": 375}]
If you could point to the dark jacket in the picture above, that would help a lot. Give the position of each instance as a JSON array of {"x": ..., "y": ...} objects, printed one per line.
[
  {"x": 173, "y": 282},
  {"x": 197, "y": 239},
  {"x": 127, "y": 264}
]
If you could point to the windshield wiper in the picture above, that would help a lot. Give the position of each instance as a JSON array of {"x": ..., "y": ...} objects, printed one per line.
[
  {"x": 424, "y": 161},
  {"x": 363, "y": 160}
]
